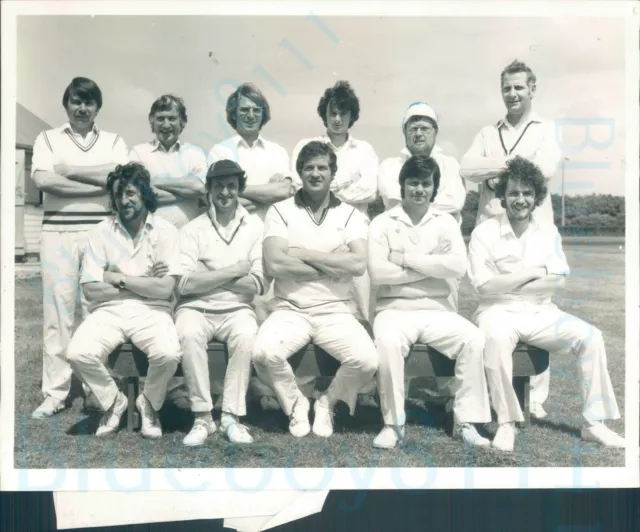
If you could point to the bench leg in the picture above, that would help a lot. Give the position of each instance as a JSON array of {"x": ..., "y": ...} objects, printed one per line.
[
  {"x": 522, "y": 387},
  {"x": 132, "y": 415}
]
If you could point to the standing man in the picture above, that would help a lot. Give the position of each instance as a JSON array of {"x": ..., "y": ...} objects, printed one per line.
[
  {"x": 129, "y": 273},
  {"x": 355, "y": 182},
  {"x": 516, "y": 265},
  {"x": 313, "y": 247},
  {"x": 70, "y": 165},
  {"x": 415, "y": 254},
  {"x": 221, "y": 259},
  {"x": 177, "y": 172},
  {"x": 520, "y": 133},
  {"x": 177, "y": 168},
  {"x": 266, "y": 165}
]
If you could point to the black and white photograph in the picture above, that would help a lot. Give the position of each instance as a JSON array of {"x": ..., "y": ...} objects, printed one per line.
[{"x": 322, "y": 245}]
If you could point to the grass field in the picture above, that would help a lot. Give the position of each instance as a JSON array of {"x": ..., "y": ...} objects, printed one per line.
[{"x": 595, "y": 292}]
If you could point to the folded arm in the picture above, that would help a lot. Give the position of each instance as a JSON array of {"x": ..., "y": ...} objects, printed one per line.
[
  {"x": 149, "y": 287},
  {"x": 543, "y": 286},
  {"x": 476, "y": 167},
  {"x": 439, "y": 266},
  {"x": 269, "y": 193},
  {"x": 189, "y": 186},
  {"x": 59, "y": 185},
  {"x": 89, "y": 175},
  {"x": 504, "y": 283},
  {"x": 204, "y": 282},
  {"x": 338, "y": 263},
  {"x": 280, "y": 264},
  {"x": 100, "y": 292}
]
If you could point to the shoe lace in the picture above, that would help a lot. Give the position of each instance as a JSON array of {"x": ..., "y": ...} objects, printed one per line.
[{"x": 298, "y": 413}]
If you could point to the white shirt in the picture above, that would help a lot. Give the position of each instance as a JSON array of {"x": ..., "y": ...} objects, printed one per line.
[
  {"x": 339, "y": 225},
  {"x": 494, "y": 249},
  {"x": 181, "y": 160},
  {"x": 204, "y": 239},
  {"x": 356, "y": 180},
  {"x": 534, "y": 139},
  {"x": 111, "y": 248},
  {"x": 451, "y": 193},
  {"x": 261, "y": 161},
  {"x": 63, "y": 146},
  {"x": 406, "y": 288}
]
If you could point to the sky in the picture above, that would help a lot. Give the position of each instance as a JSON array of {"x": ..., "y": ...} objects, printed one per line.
[{"x": 452, "y": 63}]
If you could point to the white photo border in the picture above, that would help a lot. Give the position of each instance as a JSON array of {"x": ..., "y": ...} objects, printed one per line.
[{"x": 319, "y": 478}]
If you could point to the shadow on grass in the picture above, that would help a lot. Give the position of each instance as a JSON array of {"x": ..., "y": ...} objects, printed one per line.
[{"x": 557, "y": 426}]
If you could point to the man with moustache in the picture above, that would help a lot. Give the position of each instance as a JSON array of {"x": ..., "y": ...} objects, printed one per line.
[
  {"x": 267, "y": 169},
  {"x": 414, "y": 252},
  {"x": 221, "y": 260},
  {"x": 314, "y": 244},
  {"x": 129, "y": 273},
  {"x": 522, "y": 132},
  {"x": 516, "y": 264},
  {"x": 70, "y": 165}
]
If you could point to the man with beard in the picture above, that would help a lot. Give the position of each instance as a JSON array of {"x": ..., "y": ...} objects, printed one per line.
[
  {"x": 516, "y": 264},
  {"x": 129, "y": 274},
  {"x": 70, "y": 165}
]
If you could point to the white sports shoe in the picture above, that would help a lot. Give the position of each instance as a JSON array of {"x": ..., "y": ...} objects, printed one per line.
[
  {"x": 389, "y": 437},
  {"x": 235, "y": 431},
  {"x": 151, "y": 427},
  {"x": 537, "y": 411},
  {"x": 505, "y": 437},
  {"x": 110, "y": 420},
  {"x": 603, "y": 435},
  {"x": 468, "y": 434},
  {"x": 48, "y": 408},
  {"x": 323, "y": 419},
  {"x": 201, "y": 430},
  {"x": 299, "y": 419}
]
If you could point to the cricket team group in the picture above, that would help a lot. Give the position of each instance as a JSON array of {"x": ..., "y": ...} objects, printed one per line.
[{"x": 170, "y": 247}]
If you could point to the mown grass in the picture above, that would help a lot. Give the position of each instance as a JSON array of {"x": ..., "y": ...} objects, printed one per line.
[{"x": 595, "y": 292}]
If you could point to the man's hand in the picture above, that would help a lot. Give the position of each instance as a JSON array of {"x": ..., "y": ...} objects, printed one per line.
[
  {"x": 159, "y": 269},
  {"x": 492, "y": 182},
  {"x": 276, "y": 178},
  {"x": 241, "y": 268},
  {"x": 113, "y": 278},
  {"x": 396, "y": 258},
  {"x": 442, "y": 248}
]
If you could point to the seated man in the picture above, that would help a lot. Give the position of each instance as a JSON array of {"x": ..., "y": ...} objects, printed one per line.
[
  {"x": 516, "y": 263},
  {"x": 221, "y": 261},
  {"x": 313, "y": 247},
  {"x": 416, "y": 256},
  {"x": 128, "y": 277}
]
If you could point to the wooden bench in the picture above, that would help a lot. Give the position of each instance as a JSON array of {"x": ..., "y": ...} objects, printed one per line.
[{"x": 129, "y": 364}]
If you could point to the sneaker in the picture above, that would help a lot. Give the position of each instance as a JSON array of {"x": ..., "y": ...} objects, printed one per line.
[
  {"x": 537, "y": 411},
  {"x": 235, "y": 431},
  {"x": 323, "y": 419},
  {"x": 269, "y": 403},
  {"x": 505, "y": 437},
  {"x": 150, "y": 420},
  {"x": 48, "y": 408},
  {"x": 389, "y": 437},
  {"x": 299, "y": 418},
  {"x": 602, "y": 435},
  {"x": 468, "y": 434},
  {"x": 110, "y": 420},
  {"x": 364, "y": 399},
  {"x": 201, "y": 430}
]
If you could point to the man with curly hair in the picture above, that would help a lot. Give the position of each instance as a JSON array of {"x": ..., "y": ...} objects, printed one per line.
[
  {"x": 177, "y": 168},
  {"x": 516, "y": 264},
  {"x": 129, "y": 273},
  {"x": 70, "y": 165},
  {"x": 524, "y": 133}
]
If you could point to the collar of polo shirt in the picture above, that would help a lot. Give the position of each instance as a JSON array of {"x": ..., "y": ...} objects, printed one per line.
[
  {"x": 157, "y": 146},
  {"x": 533, "y": 117},
  {"x": 149, "y": 222},
  {"x": 351, "y": 142},
  {"x": 299, "y": 201},
  {"x": 405, "y": 153},
  {"x": 398, "y": 213},
  {"x": 66, "y": 127},
  {"x": 259, "y": 141},
  {"x": 505, "y": 224}
]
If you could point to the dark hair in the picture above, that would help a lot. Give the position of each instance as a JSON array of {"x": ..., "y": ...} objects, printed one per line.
[
  {"x": 420, "y": 166},
  {"x": 84, "y": 88},
  {"x": 516, "y": 67},
  {"x": 344, "y": 97},
  {"x": 242, "y": 180},
  {"x": 527, "y": 173},
  {"x": 416, "y": 118},
  {"x": 316, "y": 148},
  {"x": 136, "y": 175},
  {"x": 166, "y": 102},
  {"x": 248, "y": 90}
]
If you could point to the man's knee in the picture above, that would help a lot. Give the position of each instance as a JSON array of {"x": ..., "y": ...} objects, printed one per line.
[
  {"x": 165, "y": 352},
  {"x": 388, "y": 347},
  {"x": 82, "y": 352}
]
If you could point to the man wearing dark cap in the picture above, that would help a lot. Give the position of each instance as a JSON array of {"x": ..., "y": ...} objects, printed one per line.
[{"x": 221, "y": 261}]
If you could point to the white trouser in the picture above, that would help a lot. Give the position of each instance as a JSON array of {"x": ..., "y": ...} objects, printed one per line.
[
  {"x": 540, "y": 385},
  {"x": 60, "y": 257},
  {"x": 238, "y": 330},
  {"x": 285, "y": 332},
  {"x": 554, "y": 331},
  {"x": 396, "y": 331},
  {"x": 151, "y": 330}
]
